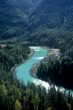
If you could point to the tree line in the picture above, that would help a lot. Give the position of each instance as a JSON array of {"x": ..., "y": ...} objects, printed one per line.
[
  {"x": 20, "y": 97},
  {"x": 15, "y": 95},
  {"x": 58, "y": 71}
]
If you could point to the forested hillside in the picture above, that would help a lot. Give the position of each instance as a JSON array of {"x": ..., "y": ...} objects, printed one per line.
[
  {"x": 52, "y": 25},
  {"x": 53, "y": 14},
  {"x": 17, "y": 96},
  {"x": 14, "y": 17},
  {"x": 10, "y": 56},
  {"x": 49, "y": 23},
  {"x": 36, "y": 22},
  {"x": 57, "y": 71},
  {"x": 20, "y": 97},
  {"x": 44, "y": 22}
]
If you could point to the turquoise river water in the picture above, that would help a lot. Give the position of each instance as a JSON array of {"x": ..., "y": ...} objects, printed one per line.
[{"x": 23, "y": 70}]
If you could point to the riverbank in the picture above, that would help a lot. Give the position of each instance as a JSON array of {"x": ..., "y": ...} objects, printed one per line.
[
  {"x": 51, "y": 55},
  {"x": 13, "y": 69},
  {"x": 26, "y": 72}
]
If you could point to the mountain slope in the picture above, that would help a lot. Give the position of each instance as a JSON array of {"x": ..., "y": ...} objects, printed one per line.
[
  {"x": 13, "y": 18},
  {"x": 53, "y": 14},
  {"x": 41, "y": 22},
  {"x": 52, "y": 25}
]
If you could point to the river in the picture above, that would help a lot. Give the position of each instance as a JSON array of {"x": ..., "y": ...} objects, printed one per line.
[{"x": 23, "y": 70}]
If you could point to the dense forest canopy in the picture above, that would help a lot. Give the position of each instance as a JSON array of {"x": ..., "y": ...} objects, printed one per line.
[
  {"x": 10, "y": 56},
  {"x": 14, "y": 95},
  {"x": 36, "y": 22},
  {"x": 49, "y": 23},
  {"x": 57, "y": 71}
]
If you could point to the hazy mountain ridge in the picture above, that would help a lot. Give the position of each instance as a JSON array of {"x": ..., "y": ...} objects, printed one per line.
[
  {"x": 53, "y": 14},
  {"x": 14, "y": 17},
  {"x": 52, "y": 25},
  {"x": 48, "y": 22}
]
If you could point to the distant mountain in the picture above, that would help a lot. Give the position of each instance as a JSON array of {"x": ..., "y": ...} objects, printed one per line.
[
  {"x": 14, "y": 17},
  {"x": 38, "y": 22},
  {"x": 51, "y": 24},
  {"x": 53, "y": 13}
]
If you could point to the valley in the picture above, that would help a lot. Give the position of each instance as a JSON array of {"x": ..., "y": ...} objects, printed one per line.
[{"x": 36, "y": 54}]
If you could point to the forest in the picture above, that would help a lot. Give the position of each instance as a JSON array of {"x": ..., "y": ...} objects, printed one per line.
[
  {"x": 10, "y": 56},
  {"x": 36, "y": 22},
  {"x": 59, "y": 71},
  {"x": 15, "y": 95},
  {"x": 20, "y": 97}
]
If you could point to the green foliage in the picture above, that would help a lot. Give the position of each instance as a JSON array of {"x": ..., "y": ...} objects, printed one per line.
[
  {"x": 10, "y": 56},
  {"x": 16, "y": 96},
  {"x": 59, "y": 71},
  {"x": 18, "y": 105},
  {"x": 47, "y": 26},
  {"x": 33, "y": 99}
]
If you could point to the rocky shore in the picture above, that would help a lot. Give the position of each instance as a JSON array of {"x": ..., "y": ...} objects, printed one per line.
[
  {"x": 51, "y": 55},
  {"x": 13, "y": 69}
]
